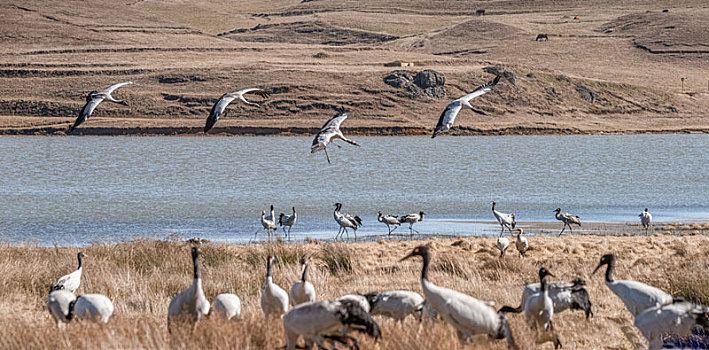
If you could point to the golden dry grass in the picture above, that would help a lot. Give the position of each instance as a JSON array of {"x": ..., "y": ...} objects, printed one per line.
[{"x": 142, "y": 276}]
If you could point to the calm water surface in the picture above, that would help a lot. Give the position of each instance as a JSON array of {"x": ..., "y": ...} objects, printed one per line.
[{"x": 76, "y": 190}]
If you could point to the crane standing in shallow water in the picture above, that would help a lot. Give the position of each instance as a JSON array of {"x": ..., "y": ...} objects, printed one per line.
[
  {"x": 411, "y": 219},
  {"x": 505, "y": 220},
  {"x": 345, "y": 221},
  {"x": 286, "y": 220},
  {"x": 645, "y": 219},
  {"x": 567, "y": 219},
  {"x": 389, "y": 220}
]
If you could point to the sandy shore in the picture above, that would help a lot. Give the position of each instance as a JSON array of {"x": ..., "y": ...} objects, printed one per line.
[{"x": 142, "y": 276}]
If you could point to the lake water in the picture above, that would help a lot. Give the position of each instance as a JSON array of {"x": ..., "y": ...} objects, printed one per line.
[{"x": 77, "y": 190}]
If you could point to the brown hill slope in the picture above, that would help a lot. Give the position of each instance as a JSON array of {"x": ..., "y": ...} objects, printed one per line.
[{"x": 318, "y": 56}]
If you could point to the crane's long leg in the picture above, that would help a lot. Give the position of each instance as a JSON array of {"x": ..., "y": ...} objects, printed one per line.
[
  {"x": 562, "y": 230},
  {"x": 502, "y": 231},
  {"x": 389, "y": 228},
  {"x": 327, "y": 156},
  {"x": 289, "y": 228},
  {"x": 355, "y": 234},
  {"x": 571, "y": 229}
]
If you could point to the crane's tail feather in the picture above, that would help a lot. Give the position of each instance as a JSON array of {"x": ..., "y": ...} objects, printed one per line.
[{"x": 506, "y": 309}]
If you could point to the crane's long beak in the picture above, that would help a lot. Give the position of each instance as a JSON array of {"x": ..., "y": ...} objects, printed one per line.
[
  {"x": 407, "y": 257},
  {"x": 597, "y": 267}
]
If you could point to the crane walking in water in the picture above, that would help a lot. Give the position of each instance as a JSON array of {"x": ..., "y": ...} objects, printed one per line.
[
  {"x": 329, "y": 133},
  {"x": 345, "y": 221},
  {"x": 505, "y": 220},
  {"x": 645, "y": 219},
  {"x": 567, "y": 219}
]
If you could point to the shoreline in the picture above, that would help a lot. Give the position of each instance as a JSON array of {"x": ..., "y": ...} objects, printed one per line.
[{"x": 356, "y": 131}]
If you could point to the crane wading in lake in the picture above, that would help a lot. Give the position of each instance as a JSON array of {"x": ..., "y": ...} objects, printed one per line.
[
  {"x": 96, "y": 97},
  {"x": 219, "y": 108},
  {"x": 445, "y": 122},
  {"x": 329, "y": 133}
]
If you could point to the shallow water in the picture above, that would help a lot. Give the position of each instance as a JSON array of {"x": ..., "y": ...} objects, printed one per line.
[{"x": 75, "y": 190}]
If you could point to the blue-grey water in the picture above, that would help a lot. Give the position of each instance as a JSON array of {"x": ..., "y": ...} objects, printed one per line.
[{"x": 78, "y": 190}]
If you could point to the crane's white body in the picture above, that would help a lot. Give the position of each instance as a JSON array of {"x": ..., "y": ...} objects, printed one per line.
[
  {"x": 302, "y": 290},
  {"x": 287, "y": 220},
  {"x": 411, "y": 219},
  {"x": 678, "y": 319},
  {"x": 72, "y": 281},
  {"x": 559, "y": 292},
  {"x": 447, "y": 118},
  {"x": 274, "y": 300},
  {"x": 398, "y": 304},
  {"x": 268, "y": 225},
  {"x": 93, "y": 307},
  {"x": 389, "y": 220},
  {"x": 567, "y": 219},
  {"x": 636, "y": 296},
  {"x": 502, "y": 244},
  {"x": 539, "y": 308},
  {"x": 315, "y": 321},
  {"x": 59, "y": 305},
  {"x": 361, "y": 300},
  {"x": 227, "y": 306},
  {"x": 190, "y": 304},
  {"x": 345, "y": 221},
  {"x": 505, "y": 220}
]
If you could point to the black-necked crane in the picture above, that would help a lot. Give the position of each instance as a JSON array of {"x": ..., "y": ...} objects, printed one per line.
[
  {"x": 469, "y": 316},
  {"x": 346, "y": 221},
  {"x": 327, "y": 320},
  {"x": 678, "y": 319},
  {"x": 72, "y": 281},
  {"x": 505, "y": 220},
  {"x": 93, "y": 99},
  {"x": 521, "y": 243},
  {"x": 227, "y": 306},
  {"x": 274, "y": 300},
  {"x": 93, "y": 307},
  {"x": 191, "y": 304},
  {"x": 60, "y": 304},
  {"x": 287, "y": 220},
  {"x": 502, "y": 244},
  {"x": 389, "y": 220},
  {"x": 539, "y": 307},
  {"x": 445, "y": 122},
  {"x": 268, "y": 225},
  {"x": 411, "y": 219},
  {"x": 329, "y": 133},
  {"x": 219, "y": 108},
  {"x": 396, "y": 304},
  {"x": 645, "y": 219},
  {"x": 302, "y": 291},
  {"x": 564, "y": 295},
  {"x": 567, "y": 219},
  {"x": 271, "y": 215},
  {"x": 636, "y": 296}
]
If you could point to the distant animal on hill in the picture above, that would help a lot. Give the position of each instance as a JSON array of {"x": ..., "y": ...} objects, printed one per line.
[
  {"x": 577, "y": 17},
  {"x": 666, "y": 10},
  {"x": 542, "y": 36},
  {"x": 480, "y": 12}
]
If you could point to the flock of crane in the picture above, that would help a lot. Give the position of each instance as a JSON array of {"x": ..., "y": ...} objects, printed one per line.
[
  {"x": 392, "y": 222},
  {"x": 657, "y": 314},
  {"x": 328, "y": 133}
]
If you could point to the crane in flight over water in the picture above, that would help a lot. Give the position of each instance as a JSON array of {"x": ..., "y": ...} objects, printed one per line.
[
  {"x": 96, "y": 97},
  {"x": 445, "y": 122},
  {"x": 219, "y": 108},
  {"x": 329, "y": 133}
]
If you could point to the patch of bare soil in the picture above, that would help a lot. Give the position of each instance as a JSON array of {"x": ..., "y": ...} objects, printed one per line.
[
  {"x": 306, "y": 33},
  {"x": 663, "y": 32}
]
